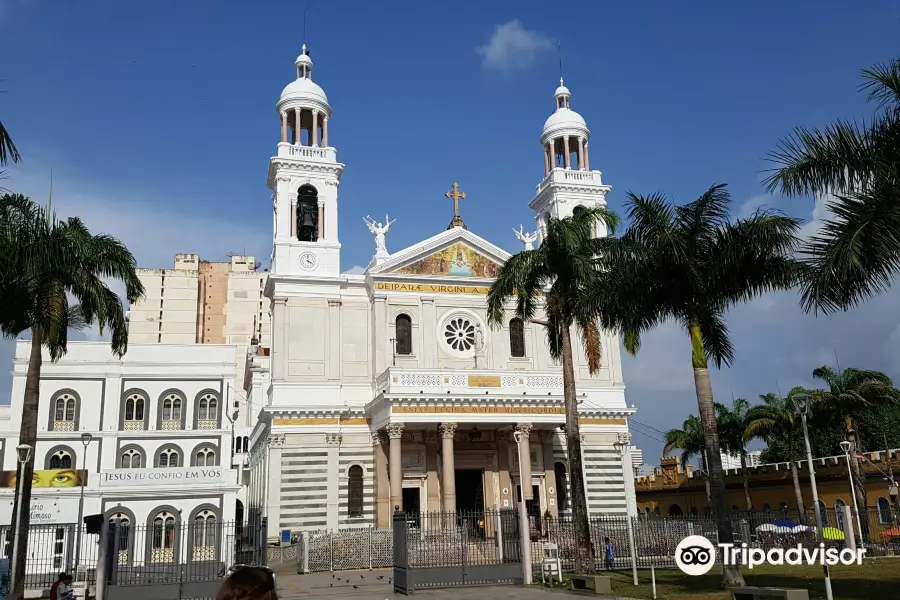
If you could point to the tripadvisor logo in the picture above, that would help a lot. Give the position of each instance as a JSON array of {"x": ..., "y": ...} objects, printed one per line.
[{"x": 696, "y": 555}]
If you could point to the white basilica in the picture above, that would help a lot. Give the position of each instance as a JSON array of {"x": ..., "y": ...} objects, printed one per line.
[{"x": 388, "y": 388}]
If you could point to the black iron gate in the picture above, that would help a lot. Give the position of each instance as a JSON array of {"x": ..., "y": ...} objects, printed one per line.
[
  {"x": 456, "y": 549},
  {"x": 172, "y": 562}
]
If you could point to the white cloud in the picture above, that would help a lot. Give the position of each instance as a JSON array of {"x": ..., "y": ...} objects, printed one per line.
[
  {"x": 752, "y": 204},
  {"x": 355, "y": 270},
  {"x": 512, "y": 47}
]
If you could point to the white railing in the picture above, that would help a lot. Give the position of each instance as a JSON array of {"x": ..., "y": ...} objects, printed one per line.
[
  {"x": 559, "y": 175},
  {"x": 399, "y": 380},
  {"x": 305, "y": 152},
  {"x": 63, "y": 425}
]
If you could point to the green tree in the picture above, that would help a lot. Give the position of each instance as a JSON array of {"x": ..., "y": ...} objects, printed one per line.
[
  {"x": 8, "y": 149},
  {"x": 849, "y": 394},
  {"x": 690, "y": 264},
  {"x": 692, "y": 442},
  {"x": 776, "y": 420},
  {"x": 732, "y": 427},
  {"x": 856, "y": 254},
  {"x": 553, "y": 279},
  {"x": 48, "y": 264}
]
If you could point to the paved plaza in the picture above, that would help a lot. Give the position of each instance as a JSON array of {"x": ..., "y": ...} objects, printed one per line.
[{"x": 365, "y": 585}]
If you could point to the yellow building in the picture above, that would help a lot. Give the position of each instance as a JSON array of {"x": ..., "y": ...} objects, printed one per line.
[{"x": 672, "y": 491}]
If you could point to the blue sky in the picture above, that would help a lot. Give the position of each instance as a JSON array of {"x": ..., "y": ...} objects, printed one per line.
[{"x": 158, "y": 120}]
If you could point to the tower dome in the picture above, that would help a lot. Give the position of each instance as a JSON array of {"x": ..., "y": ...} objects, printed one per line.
[
  {"x": 564, "y": 120},
  {"x": 565, "y": 135},
  {"x": 303, "y": 107}
]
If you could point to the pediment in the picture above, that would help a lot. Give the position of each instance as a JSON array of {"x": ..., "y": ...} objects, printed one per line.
[{"x": 456, "y": 253}]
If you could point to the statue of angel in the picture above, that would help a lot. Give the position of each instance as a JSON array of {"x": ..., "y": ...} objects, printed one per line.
[
  {"x": 379, "y": 230},
  {"x": 526, "y": 238}
]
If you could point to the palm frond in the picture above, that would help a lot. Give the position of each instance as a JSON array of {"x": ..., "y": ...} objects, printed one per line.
[
  {"x": 8, "y": 150},
  {"x": 882, "y": 82}
]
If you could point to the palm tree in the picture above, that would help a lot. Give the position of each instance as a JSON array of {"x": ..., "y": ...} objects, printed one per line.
[
  {"x": 555, "y": 277},
  {"x": 732, "y": 427},
  {"x": 690, "y": 264},
  {"x": 777, "y": 419},
  {"x": 8, "y": 149},
  {"x": 849, "y": 394},
  {"x": 692, "y": 442},
  {"x": 47, "y": 264},
  {"x": 856, "y": 254}
]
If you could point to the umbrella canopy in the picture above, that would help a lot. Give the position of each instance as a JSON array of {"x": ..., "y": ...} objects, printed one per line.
[
  {"x": 832, "y": 533},
  {"x": 766, "y": 527},
  {"x": 785, "y": 523},
  {"x": 892, "y": 532},
  {"x": 800, "y": 528}
]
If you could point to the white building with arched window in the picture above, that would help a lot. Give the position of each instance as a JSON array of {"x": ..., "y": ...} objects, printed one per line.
[{"x": 152, "y": 433}]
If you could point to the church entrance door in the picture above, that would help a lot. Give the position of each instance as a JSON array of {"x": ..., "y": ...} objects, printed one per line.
[
  {"x": 412, "y": 505},
  {"x": 470, "y": 490}
]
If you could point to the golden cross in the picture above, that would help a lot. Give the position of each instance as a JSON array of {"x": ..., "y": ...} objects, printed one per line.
[{"x": 455, "y": 195}]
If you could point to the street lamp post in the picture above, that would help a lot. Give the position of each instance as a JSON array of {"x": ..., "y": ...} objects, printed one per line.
[
  {"x": 23, "y": 453},
  {"x": 622, "y": 446},
  {"x": 86, "y": 439},
  {"x": 845, "y": 446},
  {"x": 802, "y": 404}
]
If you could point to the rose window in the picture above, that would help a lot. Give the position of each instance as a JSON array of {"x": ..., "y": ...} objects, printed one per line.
[{"x": 459, "y": 333}]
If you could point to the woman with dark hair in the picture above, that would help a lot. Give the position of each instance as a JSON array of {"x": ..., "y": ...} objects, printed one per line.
[{"x": 248, "y": 583}]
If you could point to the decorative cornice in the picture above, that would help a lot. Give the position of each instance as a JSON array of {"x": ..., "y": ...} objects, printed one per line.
[
  {"x": 524, "y": 429},
  {"x": 275, "y": 440},
  {"x": 448, "y": 430}
]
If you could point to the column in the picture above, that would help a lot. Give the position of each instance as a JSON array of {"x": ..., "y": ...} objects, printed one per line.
[
  {"x": 581, "y": 154},
  {"x": 333, "y": 444},
  {"x": 293, "y": 218},
  {"x": 548, "y": 436},
  {"x": 587, "y": 160},
  {"x": 395, "y": 464},
  {"x": 333, "y": 347},
  {"x": 433, "y": 481},
  {"x": 283, "y": 126},
  {"x": 324, "y": 131},
  {"x": 320, "y": 225},
  {"x": 427, "y": 345},
  {"x": 383, "y": 508},
  {"x": 546, "y": 162},
  {"x": 272, "y": 507},
  {"x": 566, "y": 150},
  {"x": 524, "y": 431},
  {"x": 315, "y": 128},
  {"x": 448, "y": 430},
  {"x": 297, "y": 138},
  {"x": 279, "y": 334}
]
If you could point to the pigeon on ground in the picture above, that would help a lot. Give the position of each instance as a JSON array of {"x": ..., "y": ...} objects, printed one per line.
[
  {"x": 381, "y": 577},
  {"x": 361, "y": 576},
  {"x": 355, "y": 587}
]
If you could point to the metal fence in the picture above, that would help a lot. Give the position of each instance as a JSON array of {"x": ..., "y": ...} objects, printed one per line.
[
  {"x": 452, "y": 549},
  {"x": 51, "y": 549},
  {"x": 167, "y": 552}
]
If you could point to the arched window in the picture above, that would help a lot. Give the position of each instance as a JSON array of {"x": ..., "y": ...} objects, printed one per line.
[
  {"x": 171, "y": 412},
  {"x": 657, "y": 512},
  {"x": 735, "y": 511},
  {"x": 207, "y": 412},
  {"x": 162, "y": 549},
  {"x": 135, "y": 405},
  {"x": 403, "y": 334},
  {"x": 885, "y": 516},
  {"x": 61, "y": 459},
  {"x": 355, "y": 491},
  {"x": 562, "y": 485},
  {"x": 693, "y": 512},
  {"x": 246, "y": 444},
  {"x": 766, "y": 508},
  {"x": 205, "y": 457},
  {"x": 123, "y": 535},
  {"x": 517, "y": 338},
  {"x": 307, "y": 214},
  {"x": 839, "y": 513},
  {"x": 131, "y": 459},
  {"x": 578, "y": 211},
  {"x": 675, "y": 511},
  {"x": 168, "y": 458},
  {"x": 204, "y": 535},
  {"x": 64, "y": 412},
  {"x": 823, "y": 512}
]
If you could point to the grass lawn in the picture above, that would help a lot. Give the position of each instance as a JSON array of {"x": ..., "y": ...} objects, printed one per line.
[{"x": 877, "y": 579}]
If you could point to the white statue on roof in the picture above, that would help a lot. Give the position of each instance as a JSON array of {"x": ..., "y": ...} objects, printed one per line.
[
  {"x": 379, "y": 230},
  {"x": 527, "y": 238}
]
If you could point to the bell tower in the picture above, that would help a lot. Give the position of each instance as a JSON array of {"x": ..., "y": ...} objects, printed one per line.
[
  {"x": 304, "y": 177},
  {"x": 569, "y": 183}
]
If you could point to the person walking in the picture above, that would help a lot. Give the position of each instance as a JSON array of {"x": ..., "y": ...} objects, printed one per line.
[{"x": 608, "y": 553}]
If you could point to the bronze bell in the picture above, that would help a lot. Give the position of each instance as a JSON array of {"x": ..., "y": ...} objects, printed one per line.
[{"x": 306, "y": 220}]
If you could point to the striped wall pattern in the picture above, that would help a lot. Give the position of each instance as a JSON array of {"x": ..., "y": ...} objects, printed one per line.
[
  {"x": 363, "y": 456},
  {"x": 304, "y": 488},
  {"x": 603, "y": 480}
]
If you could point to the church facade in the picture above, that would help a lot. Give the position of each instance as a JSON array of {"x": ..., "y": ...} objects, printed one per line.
[{"x": 388, "y": 388}]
